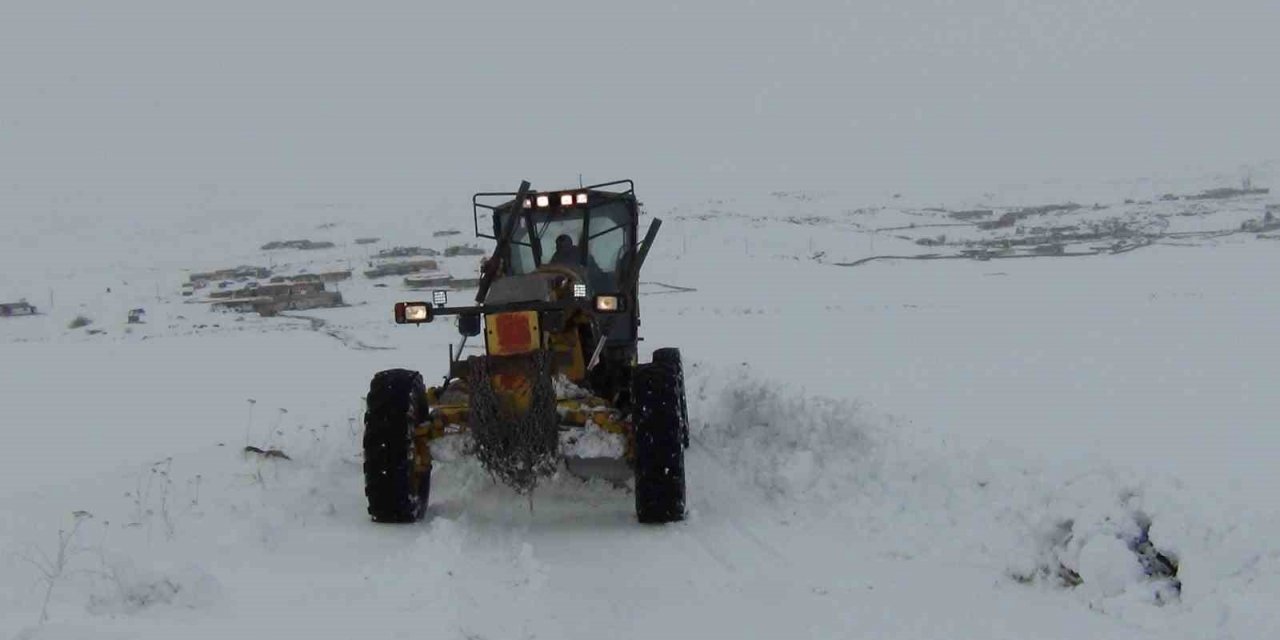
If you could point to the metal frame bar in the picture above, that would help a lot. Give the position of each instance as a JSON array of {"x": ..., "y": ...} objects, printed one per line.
[
  {"x": 476, "y": 205},
  {"x": 561, "y": 305}
]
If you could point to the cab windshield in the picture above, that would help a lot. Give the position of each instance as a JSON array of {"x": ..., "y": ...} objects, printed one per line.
[{"x": 559, "y": 235}]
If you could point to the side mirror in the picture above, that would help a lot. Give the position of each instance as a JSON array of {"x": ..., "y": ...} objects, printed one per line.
[{"x": 469, "y": 324}]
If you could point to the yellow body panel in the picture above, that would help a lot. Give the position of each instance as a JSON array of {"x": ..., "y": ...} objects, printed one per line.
[
  {"x": 566, "y": 348},
  {"x": 577, "y": 413},
  {"x": 508, "y": 336}
]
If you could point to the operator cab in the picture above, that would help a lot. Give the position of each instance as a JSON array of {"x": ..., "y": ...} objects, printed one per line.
[{"x": 590, "y": 230}]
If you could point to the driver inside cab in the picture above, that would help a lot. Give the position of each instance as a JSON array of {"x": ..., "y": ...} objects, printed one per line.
[{"x": 570, "y": 255}]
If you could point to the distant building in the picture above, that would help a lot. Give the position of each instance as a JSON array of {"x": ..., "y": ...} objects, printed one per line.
[
  {"x": 972, "y": 214},
  {"x": 328, "y": 276},
  {"x": 1007, "y": 220},
  {"x": 428, "y": 280},
  {"x": 237, "y": 273},
  {"x": 135, "y": 316},
  {"x": 407, "y": 252},
  {"x": 20, "y": 308},
  {"x": 304, "y": 245},
  {"x": 1247, "y": 189},
  {"x": 463, "y": 250},
  {"x": 401, "y": 268},
  {"x": 271, "y": 299}
]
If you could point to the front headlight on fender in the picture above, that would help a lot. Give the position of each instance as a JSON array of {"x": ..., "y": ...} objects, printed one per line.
[
  {"x": 413, "y": 313},
  {"x": 609, "y": 303}
]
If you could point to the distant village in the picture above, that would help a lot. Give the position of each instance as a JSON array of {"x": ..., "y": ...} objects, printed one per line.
[
  {"x": 1089, "y": 238},
  {"x": 253, "y": 289},
  {"x": 260, "y": 290}
]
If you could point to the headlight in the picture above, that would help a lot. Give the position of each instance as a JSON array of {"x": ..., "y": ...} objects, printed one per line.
[
  {"x": 608, "y": 304},
  {"x": 413, "y": 312}
]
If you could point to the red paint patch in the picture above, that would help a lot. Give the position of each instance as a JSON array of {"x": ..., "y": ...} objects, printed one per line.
[{"x": 514, "y": 334}]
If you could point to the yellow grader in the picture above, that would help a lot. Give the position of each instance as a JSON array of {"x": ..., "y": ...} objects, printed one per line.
[{"x": 560, "y": 381}]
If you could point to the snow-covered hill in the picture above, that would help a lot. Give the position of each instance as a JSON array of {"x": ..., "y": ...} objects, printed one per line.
[{"x": 903, "y": 448}]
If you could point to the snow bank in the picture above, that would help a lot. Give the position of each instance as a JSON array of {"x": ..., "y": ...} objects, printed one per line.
[
  {"x": 788, "y": 445},
  {"x": 1147, "y": 549}
]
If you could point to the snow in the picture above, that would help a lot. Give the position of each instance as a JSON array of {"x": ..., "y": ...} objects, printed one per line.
[
  {"x": 903, "y": 448},
  {"x": 565, "y": 389},
  {"x": 899, "y": 450},
  {"x": 957, "y": 452},
  {"x": 592, "y": 442}
]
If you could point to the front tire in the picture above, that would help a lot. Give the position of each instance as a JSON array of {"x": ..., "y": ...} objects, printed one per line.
[
  {"x": 397, "y": 490},
  {"x": 659, "y": 454},
  {"x": 670, "y": 356}
]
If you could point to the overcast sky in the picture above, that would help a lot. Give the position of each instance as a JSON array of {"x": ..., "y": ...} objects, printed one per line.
[{"x": 396, "y": 103}]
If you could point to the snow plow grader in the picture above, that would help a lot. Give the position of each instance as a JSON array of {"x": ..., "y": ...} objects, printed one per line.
[{"x": 559, "y": 383}]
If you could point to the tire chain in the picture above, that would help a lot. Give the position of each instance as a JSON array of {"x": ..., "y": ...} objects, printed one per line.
[{"x": 516, "y": 450}]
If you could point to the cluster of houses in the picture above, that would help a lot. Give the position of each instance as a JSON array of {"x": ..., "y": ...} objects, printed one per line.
[
  {"x": 24, "y": 308},
  {"x": 256, "y": 290},
  {"x": 250, "y": 289},
  {"x": 419, "y": 273},
  {"x": 304, "y": 245},
  {"x": 1222, "y": 193},
  {"x": 223, "y": 278}
]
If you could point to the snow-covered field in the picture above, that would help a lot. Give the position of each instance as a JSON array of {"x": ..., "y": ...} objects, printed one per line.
[{"x": 902, "y": 449}]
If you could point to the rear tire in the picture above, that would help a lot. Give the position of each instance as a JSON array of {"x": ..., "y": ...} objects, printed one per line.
[
  {"x": 670, "y": 356},
  {"x": 396, "y": 405},
  {"x": 659, "y": 456}
]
